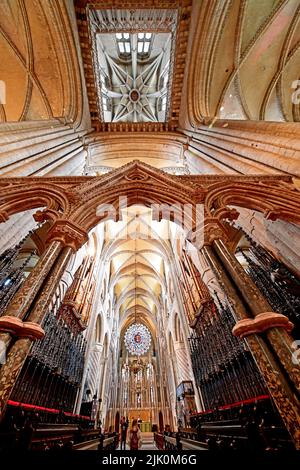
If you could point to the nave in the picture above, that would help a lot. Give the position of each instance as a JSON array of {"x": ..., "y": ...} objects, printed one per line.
[
  {"x": 149, "y": 225},
  {"x": 140, "y": 323}
]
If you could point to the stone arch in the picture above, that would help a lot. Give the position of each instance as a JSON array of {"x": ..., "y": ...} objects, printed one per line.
[
  {"x": 274, "y": 200},
  {"x": 33, "y": 195},
  {"x": 274, "y": 196}
]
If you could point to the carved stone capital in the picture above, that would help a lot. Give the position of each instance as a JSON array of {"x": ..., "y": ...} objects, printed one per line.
[
  {"x": 16, "y": 327},
  {"x": 214, "y": 230},
  {"x": 68, "y": 233},
  {"x": 45, "y": 214},
  {"x": 262, "y": 322}
]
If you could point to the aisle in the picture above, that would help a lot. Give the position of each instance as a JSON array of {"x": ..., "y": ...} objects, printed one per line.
[{"x": 147, "y": 442}]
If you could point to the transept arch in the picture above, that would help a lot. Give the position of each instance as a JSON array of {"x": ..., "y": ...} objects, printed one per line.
[{"x": 275, "y": 196}]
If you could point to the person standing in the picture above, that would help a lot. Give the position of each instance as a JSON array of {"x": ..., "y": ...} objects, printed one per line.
[
  {"x": 124, "y": 426},
  {"x": 134, "y": 436}
]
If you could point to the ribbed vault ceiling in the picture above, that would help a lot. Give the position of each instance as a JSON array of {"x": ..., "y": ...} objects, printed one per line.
[
  {"x": 247, "y": 66},
  {"x": 138, "y": 250}
]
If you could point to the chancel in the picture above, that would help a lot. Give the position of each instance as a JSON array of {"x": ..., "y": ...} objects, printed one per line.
[{"x": 149, "y": 221}]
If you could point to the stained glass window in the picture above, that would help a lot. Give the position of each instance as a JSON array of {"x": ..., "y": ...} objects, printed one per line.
[{"x": 137, "y": 339}]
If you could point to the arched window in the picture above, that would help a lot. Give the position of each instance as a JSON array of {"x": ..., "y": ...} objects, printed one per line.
[
  {"x": 144, "y": 45},
  {"x": 124, "y": 45},
  {"x": 178, "y": 328},
  {"x": 98, "y": 330}
]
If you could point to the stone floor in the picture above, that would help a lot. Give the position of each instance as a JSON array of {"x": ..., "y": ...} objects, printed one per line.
[{"x": 147, "y": 442}]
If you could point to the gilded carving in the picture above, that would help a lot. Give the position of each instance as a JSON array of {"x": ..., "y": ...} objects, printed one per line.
[
  {"x": 10, "y": 370},
  {"x": 40, "y": 307},
  {"x": 257, "y": 304},
  {"x": 284, "y": 398}
]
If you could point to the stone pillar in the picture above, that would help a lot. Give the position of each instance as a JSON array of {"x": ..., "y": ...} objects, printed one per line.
[
  {"x": 282, "y": 393},
  {"x": 103, "y": 378},
  {"x": 71, "y": 238},
  {"x": 182, "y": 361},
  {"x": 25, "y": 296},
  {"x": 277, "y": 331},
  {"x": 95, "y": 361}
]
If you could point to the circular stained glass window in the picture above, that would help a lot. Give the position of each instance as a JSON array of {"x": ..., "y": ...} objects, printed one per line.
[{"x": 137, "y": 339}]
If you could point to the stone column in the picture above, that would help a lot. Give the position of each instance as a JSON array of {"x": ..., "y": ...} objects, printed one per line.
[
  {"x": 25, "y": 296},
  {"x": 282, "y": 393},
  {"x": 71, "y": 238},
  {"x": 277, "y": 331},
  {"x": 182, "y": 361},
  {"x": 103, "y": 378},
  {"x": 95, "y": 361}
]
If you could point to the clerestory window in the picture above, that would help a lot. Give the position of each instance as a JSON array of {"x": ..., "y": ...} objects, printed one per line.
[
  {"x": 124, "y": 44},
  {"x": 143, "y": 45}
]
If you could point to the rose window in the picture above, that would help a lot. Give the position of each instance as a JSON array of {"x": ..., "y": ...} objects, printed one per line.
[{"x": 137, "y": 339}]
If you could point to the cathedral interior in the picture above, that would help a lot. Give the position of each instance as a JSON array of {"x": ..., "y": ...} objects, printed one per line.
[{"x": 149, "y": 224}]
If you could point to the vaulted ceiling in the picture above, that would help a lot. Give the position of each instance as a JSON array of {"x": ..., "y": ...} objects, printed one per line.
[
  {"x": 244, "y": 61},
  {"x": 39, "y": 67},
  {"x": 168, "y": 21},
  {"x": 230, "y": 61},
  {"x": 237, "y": 59},
  {"x": 133, "y": 56},
  {"x": 138, "y": 252}
]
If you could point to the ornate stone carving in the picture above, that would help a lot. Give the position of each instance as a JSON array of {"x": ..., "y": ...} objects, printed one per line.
[
  {"x": 213, "y": 230},
  {"x": 285, "y": 401},
  {"x": 68, "y": 234},
  {"x": 68, "y": 311},
  {"x": 136, "y": 176},
  {"x": 284, "y": 398},
  {"x": 76, "y": 198}
]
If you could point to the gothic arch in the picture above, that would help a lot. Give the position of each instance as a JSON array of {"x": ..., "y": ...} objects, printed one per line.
[
  {"x": 275, "y": 199},
  {"x": 275, "y": 196},
  {"x": 18, "y": 197}
]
